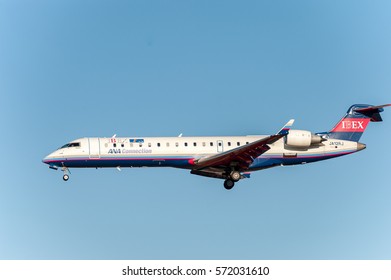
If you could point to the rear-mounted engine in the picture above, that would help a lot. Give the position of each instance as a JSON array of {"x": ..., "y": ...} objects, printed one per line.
[{"x": 302, "y": 139}]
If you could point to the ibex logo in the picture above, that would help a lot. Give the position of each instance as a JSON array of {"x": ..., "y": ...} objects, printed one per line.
[{"x": 351, "y": 125}]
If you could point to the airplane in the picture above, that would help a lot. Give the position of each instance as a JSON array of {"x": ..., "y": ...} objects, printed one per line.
[{"x": 230, "y": 158}]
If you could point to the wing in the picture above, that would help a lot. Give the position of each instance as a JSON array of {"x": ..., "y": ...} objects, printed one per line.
[{"x": 242, "y": 157}]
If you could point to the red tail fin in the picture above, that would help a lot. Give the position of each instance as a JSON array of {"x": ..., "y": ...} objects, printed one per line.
[{"x": 355, "y": 121}]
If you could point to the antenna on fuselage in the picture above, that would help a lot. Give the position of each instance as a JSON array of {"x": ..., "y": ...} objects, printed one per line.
[
  {"x": 115, "y": 135},
  {"x": 180, "y": 135}
]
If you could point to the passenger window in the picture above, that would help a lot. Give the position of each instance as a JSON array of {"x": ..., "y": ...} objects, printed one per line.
[
  {"x": 203, "y": 144},
  {"x": 229, "y": 143},
  {"x": 158, "y": 144},
  {"x": 140, "y": 145},
  {"x": 211, "y": 144},
  {"x": 185, "y": 144},
  {"x": 247, "y": 143},
  {"x": 219, "y": 144},
  {"x": 238, "y": 143},
  {"x": 167, "y": 144},
  {"x": 195, "y": 144},
  {"x": 122, "y": 145},
  {"x": 149, "y": 145},
  {"x": 176, "y": 144},
  {"x": 114, "y": 145}
]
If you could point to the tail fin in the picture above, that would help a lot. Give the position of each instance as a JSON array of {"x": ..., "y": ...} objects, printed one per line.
[{"x": 355, "y": 121}]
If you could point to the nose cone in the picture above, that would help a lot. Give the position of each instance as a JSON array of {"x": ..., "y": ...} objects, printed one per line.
[
  {"x": 361, "y": 146},
  {"x": 46, "y": 160},
  {"x": 51, "y": 161}
]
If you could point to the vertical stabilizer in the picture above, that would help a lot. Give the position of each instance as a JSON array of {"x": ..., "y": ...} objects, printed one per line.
[{"x": 355, "y": 121}]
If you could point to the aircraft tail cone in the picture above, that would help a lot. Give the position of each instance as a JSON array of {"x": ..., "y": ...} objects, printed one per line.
[{"x": 361, "y": 146}]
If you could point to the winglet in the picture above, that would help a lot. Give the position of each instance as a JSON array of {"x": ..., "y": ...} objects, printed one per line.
[{"x": 285, "y": 129}]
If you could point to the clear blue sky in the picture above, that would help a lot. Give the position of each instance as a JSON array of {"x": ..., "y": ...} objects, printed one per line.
[{"x": 70, "y": 69}]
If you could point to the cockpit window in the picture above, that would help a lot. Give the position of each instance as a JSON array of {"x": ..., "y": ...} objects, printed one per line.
[
  {"x": 77, "y": 144},
  {"x": 68, "y": 145}
]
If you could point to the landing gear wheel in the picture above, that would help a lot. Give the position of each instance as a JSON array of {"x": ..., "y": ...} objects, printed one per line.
[
  {"x": 65, "y": 177},
  {"x": 235, "y": 176},
  {"x": 229, "y": 184}
]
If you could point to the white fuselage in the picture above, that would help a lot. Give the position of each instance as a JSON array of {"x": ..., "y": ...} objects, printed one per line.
[
  {"x": 225, "y": 157},
  {"x": 181, "y": 152}
]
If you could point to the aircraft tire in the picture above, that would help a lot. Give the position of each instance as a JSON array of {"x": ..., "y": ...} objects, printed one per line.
[
  {"x": 65, "y": 177},
  {"x": 229, "y": 184},
  {"x": 235, "y": 176}
]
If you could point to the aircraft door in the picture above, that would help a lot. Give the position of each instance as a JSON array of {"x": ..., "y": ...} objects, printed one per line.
[
  {"x": 220, "y": 147},
  {"x": 94, "y": 144}
]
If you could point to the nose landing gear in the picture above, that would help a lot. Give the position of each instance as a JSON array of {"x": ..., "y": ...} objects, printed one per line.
[{"x": 65, "y": 177}]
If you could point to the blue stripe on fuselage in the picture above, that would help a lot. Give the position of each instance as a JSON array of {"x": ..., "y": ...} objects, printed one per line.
[
  {"x": 122, "y": 162},
  {"x": 266, "y": 161}
]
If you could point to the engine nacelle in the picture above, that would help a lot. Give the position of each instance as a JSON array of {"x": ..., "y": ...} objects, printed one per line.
[{"x": 302, "y": 139}]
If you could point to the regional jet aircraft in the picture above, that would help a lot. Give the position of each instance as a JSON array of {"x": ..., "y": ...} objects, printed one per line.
[{"x": 230, "y": 158}]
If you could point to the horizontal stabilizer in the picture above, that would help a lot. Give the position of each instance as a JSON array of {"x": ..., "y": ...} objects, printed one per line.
[{"x": 372, "y": 112}]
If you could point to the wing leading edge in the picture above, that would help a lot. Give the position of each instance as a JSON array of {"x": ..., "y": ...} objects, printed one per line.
[{"x": 242, "y": 157}]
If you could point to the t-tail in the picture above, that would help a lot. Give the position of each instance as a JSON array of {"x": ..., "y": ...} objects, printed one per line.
[{"x": 355, "y": 121}]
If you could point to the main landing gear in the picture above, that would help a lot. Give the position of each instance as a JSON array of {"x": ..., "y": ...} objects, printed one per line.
[
  {"x": 234, "y": 176},
  {"x": 229, "y": 184}
]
